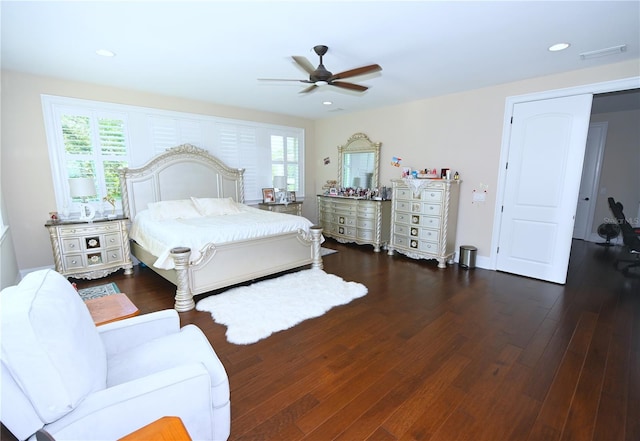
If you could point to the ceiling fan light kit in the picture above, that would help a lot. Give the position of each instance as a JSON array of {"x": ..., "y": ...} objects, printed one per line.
[{"x": 320, "y": 76}]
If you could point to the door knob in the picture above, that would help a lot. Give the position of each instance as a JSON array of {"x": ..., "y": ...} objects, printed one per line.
[{"x": 586, "y": 199}]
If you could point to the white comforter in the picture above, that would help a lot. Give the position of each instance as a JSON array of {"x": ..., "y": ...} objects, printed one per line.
[{"x": 159, "y": 237}]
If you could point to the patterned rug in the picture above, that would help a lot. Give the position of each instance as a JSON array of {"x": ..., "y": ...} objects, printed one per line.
[{"x": 98, "y": 291}]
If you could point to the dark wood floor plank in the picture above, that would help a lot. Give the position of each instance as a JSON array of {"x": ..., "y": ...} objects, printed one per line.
[
  {"x": 555, "y": 408},
  {"x": 410, "y": 411}
]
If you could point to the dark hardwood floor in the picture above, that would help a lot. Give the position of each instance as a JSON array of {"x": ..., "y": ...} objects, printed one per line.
[{"x": 432, "y": 354}]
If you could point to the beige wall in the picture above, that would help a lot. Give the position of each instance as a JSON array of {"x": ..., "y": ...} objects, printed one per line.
[
  {"x": 26, "y": 170},
  {"x": 461, "y": 131}
]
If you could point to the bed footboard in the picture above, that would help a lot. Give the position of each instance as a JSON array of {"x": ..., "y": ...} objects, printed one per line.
[{"x": 238, "y": 262}]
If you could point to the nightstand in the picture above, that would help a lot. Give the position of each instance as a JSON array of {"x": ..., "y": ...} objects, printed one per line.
[
  {"x": 90, "y": 250},
  {"x": 289, "y": 208}
]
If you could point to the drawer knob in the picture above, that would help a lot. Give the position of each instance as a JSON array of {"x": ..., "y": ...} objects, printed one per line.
[
  {"x": 72, "y": 245},
  {"x": 74, "y": 261}
]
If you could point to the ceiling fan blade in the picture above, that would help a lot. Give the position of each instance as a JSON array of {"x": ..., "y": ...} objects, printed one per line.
[
  {"x": 304, "y": 63},
  {"x": 309, "y": 89},
  {"x": 357, "y": 71},
  {"x": 349, "y": 86}
]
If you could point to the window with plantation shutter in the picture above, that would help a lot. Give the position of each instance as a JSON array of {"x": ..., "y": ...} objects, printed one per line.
[
  {"x": 94, "y": 139},
  {"x": 94, "y": 145}
]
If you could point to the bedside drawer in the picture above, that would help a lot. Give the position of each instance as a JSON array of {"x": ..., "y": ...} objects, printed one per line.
[
  {"x": 73, "y": 261},
  {"x": 71, "y": 245},
  {"x": 114, "y": 255},
  {"x": 90, "y": 250},
  {"x": 112, "y": 240}
]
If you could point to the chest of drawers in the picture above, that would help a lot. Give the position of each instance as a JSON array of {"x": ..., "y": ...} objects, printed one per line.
[
  {"x": 349, "y": 220},
  {"x": 424, "y": 218},
  {"x": 90, "y": 250}
]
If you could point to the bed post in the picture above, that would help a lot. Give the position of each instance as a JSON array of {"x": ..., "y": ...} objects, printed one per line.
[
  {"x": 184, "y": 296},
  {"x": 316, "y": 240}
]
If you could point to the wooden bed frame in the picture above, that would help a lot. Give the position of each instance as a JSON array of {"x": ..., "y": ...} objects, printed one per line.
[{"x": 185, "y": 171}]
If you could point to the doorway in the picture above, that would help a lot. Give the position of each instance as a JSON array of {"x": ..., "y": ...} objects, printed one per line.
[{"x": 612, "y": 86}]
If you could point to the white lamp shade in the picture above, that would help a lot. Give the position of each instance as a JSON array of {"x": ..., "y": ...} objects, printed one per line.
[
  {"x": 279, "y": 182},
  {"x": 82, "y": 187}
]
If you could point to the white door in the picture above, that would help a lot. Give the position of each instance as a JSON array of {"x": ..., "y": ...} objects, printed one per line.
[
  {"x": 588, "y": 193},
  {"x": 546, "y": 153}
]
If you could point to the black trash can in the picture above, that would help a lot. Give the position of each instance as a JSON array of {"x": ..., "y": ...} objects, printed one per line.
[{"x": 467, "y": 256}]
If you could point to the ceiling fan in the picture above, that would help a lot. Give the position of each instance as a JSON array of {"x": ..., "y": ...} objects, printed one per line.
[{"x": 320, "y": 76}]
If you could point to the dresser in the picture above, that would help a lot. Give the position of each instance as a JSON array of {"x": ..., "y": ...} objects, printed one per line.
[
  {"x": 90, "y": 250},
  {"x": 289, "y": 208},
  {"x": 424, "y": 218},
  {"x": 361, "y": 221}
]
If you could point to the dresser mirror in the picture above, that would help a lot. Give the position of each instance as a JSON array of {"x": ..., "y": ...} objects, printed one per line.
[{"x": 358, "y": 162}]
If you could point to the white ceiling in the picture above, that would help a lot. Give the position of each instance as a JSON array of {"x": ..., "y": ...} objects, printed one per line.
[{"x": 216, "y": 50}]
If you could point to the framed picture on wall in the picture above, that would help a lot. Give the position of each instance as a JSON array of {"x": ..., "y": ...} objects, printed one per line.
[{"x": 268, "y": 195}]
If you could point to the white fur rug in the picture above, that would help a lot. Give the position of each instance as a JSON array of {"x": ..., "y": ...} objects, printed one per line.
[{"x": 254, "y": 312}]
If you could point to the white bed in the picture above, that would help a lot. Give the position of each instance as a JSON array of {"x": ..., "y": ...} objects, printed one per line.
[{"x": 210, "y": 262}]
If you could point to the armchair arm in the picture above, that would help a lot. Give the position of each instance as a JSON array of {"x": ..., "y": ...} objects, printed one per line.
[
  {"x": 183, "y": 391},
  {"x": 125, "y": 334}
]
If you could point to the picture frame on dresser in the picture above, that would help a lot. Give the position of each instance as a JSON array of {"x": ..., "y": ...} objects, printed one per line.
[
  {"x": 268, "y": 195},
  {"x": 292, "y": 196}
]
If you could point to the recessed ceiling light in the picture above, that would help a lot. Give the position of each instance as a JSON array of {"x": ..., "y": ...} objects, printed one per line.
[
  {"x": 559, "y": 47},
  {"x": 105, "y": 53},
  {"x": 327, "y": 103}
]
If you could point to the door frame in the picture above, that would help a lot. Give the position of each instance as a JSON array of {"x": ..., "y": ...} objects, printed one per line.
[
  {"x": 594, "y": 177},
  {"x": 510, "y": 102}
]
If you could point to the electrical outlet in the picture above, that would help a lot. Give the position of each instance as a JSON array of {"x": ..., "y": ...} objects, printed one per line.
[{"x": 479, "y": 196}]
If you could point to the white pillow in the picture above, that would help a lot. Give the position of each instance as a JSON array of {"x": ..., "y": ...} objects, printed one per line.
[
  {"x": 215, "y": 206},
  {"x": 176, "y": 209}
]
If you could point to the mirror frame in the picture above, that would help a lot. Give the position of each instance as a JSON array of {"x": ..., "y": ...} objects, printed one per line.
[{"x": 359, "y": 143}]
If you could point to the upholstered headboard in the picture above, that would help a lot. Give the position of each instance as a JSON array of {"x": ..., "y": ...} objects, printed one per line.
[{"x": 179, "y": 173}]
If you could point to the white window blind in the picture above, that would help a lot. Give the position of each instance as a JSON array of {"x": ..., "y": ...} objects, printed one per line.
[{"x": 94, "y": 139}]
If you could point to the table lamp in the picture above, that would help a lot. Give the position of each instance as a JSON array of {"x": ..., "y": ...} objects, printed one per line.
[
  {"x": 83, "y": 188},
  {"x": 280, "y": 187}
]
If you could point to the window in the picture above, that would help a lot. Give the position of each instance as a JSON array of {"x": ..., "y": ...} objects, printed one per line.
[
  {"x": 95, "y": 147},
  {"x": 94, "y": 139},
  {"x": 285, "y": 159},
  {"x": 86, "y": 142}
]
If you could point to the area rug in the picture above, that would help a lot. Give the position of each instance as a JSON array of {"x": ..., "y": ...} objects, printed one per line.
[
  {"x": 98, "y": 291},
  {"x": 252, "y": 313}
]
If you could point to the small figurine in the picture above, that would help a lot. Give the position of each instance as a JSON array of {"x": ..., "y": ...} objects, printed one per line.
[{"x": 112, "y": 201}]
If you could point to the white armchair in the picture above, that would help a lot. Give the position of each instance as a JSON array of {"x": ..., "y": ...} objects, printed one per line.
[{"x": 81, "y": 382}]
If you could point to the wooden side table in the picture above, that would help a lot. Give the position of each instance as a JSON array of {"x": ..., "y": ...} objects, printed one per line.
[
  {"x": 168, "y": 428},
  {"x": 107, "y": 309}
]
